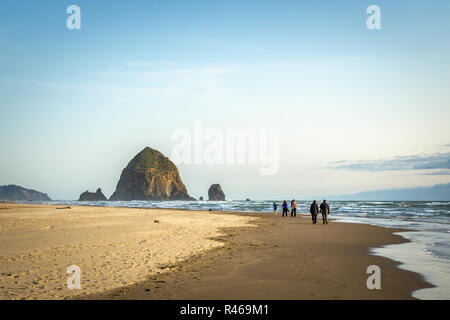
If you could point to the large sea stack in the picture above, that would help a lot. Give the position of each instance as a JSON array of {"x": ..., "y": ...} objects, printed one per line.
[
  {"x": 93, "y": 196},
  {"x": 16, "y": 193},
  {"x": 150, "y": 175},
  {"x": 215, "y": 193}
]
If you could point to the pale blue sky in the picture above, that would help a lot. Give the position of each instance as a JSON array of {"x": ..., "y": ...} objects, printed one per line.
[{"x": 75, "y": 106}]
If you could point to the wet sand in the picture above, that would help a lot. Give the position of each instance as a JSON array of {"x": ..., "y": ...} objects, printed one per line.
[{"x": 124, "y": 254}]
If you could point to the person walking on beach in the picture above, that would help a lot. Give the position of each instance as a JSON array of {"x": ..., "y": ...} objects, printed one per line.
[
  {"x": 285, "y": 209},
  {"x": 314, "y": 209},
  {"x": 275, "y": 207},
  {"x": 325, "y": 210},
  {"x": 294, "y": 205}
]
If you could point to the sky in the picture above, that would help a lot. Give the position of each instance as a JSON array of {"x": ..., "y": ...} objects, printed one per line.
[{"x": 356, "y": 109}]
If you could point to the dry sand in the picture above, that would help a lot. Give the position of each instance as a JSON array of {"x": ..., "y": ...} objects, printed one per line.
[
  {"x": 113, "y": 247},
  {"x": 124, "y": 254}
]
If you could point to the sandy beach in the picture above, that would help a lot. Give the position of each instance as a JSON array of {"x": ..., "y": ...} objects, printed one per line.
[
  {"x": 113, "y": 247},
  {"x": 127, "y": 253}
]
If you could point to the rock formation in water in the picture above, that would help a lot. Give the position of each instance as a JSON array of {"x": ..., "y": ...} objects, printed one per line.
[
  {"x": 201, "y": 199},
  {"x": 215, "y": 193},
  {"x": 150, "y": 176},
  {"x": 92, "y": 196},
  {"x": 16, "y": 193}
]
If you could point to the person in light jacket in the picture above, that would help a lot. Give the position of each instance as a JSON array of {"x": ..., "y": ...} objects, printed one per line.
[{"x": 294, "y": 205}]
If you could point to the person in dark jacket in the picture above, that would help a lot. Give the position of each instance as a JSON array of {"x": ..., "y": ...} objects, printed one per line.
[
  {"x": 314, "y": 209},
  {"x": 325, "y": 210},
  {"x": 285, "y": 209}
]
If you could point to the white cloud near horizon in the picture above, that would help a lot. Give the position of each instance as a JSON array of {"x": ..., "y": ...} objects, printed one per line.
[
  {"x": 400, "y": 163},
  {"x": 149, "y": 63},
  {"x": 35, "y": 83}
]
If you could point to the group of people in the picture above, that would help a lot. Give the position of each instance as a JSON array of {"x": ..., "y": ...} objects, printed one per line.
[
  {"x": 314, "y": 209},
  {"x": 294, "y": 206}
]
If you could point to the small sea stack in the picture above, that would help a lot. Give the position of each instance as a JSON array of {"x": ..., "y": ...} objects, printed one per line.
[
  {"x": 215, "y": 193},
  {"x": 92, "y": 196}
]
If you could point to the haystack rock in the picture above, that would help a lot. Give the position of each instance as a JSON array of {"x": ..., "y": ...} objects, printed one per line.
[
  {"x": 215, "y": 193},
  {"x": 92, "y": 196},
  {"x": 150, "y": 176},
  {"x": 16, "y": 193}
]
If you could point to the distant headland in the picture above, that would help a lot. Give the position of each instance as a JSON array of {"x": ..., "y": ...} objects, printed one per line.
[{"x": 17, "y": 193}]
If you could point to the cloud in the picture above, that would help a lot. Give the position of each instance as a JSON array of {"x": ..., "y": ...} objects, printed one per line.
[
  {"x": 400, "y": 163},
  {"x": 148, "y": 64},
  {"x": 436, "y": 173},
  {"x": 34, "y": 83},
  {"x": 138, "y": 79}
]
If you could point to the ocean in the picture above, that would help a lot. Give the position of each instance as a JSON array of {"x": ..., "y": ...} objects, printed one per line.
[{"x": 428, "y": 224}]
